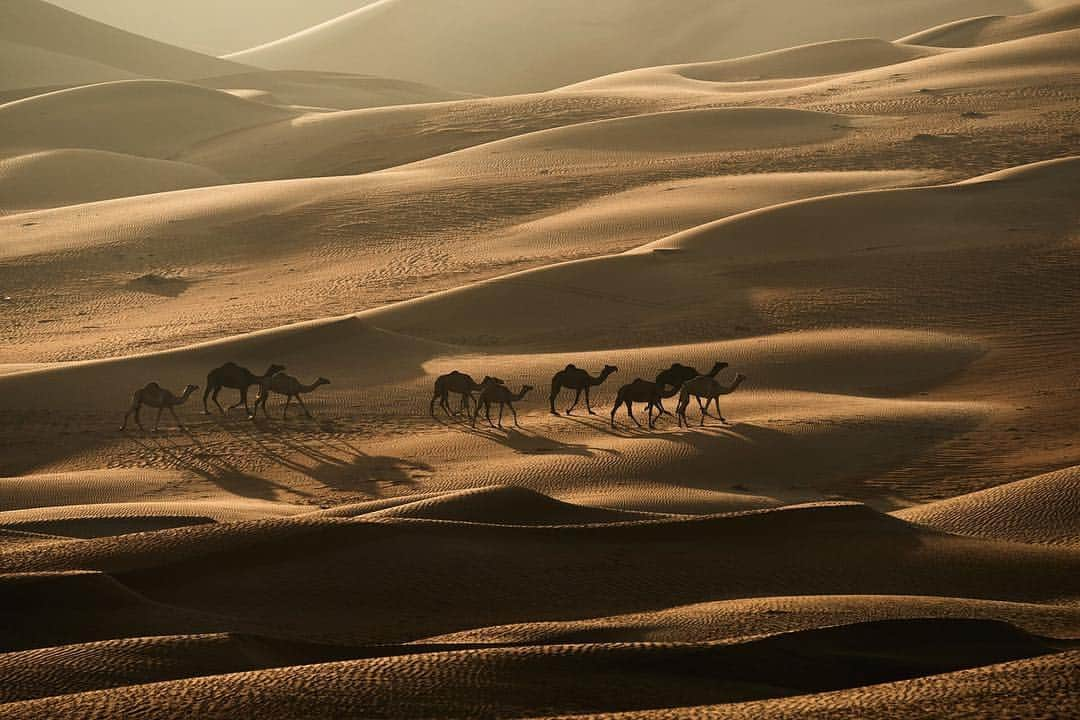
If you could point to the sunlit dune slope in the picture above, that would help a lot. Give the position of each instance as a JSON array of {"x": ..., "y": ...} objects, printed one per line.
[{"x": 1043, "y": 509}]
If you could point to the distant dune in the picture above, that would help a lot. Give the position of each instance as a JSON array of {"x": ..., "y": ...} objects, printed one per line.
[
  {"x": 69, "y": 49},
  {"x": 538, "y": 47},
  {"x": 212, "y": 26},
  {"x": 997, "y": 28}
]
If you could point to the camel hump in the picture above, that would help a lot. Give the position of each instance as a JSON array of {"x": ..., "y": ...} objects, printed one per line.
[{"x": 570, "y": 367}]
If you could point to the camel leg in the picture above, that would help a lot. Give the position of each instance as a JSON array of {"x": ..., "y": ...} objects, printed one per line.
[
  {"x": 205, "y": 395},
  {"x": 502, "y": 406},
  {"x": 618, "y": 403},
  {"x": 704, "y": 410},
  {"x": 238, "y": 403},
  {"x": 444, "y": 403},
  {"x": 301, "y": 401},
  {"x": 555, "y": 389},
  {"x": 660, "y": 406},
  {"x": 476, "y": 414},
  {"x": 431, "y": 407},
  {"x": 487, "y": 413},
  {"x": 243, "y": 399},
  {"x": 133, "y": 409},
  {"x": 630, "y": 412},
  {"x": 157, "y": 420},
  {"x": 176, "y": 418},
  {"x": 718, "y": 415},
  {"x": 588, "y": 402},
  {"x": 466, "y": 398},
  {"x": 573, "y": 405},
  {"x": 288, "y": 400},
  {"x": 266, "y": 413},
  {"x": 515, "y": 415}
]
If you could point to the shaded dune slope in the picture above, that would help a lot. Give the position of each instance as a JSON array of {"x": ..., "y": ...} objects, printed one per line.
[
  {"x": 99, "y": 49},
  {"x": 575, "y": 678},
  {"x": 478, "y": 575}
]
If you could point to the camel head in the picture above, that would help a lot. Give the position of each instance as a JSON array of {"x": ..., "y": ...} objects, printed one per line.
[
  {"x": 716, "y": 368},
  {"x": 188, "y": 390},
  {"x": 525, "y": 390},
  {"x": 488, "y": 380},
  {"x": 321, "y": 381},
  {"x": 273, "y": 370},
  {"x": 608, "y": 370}
]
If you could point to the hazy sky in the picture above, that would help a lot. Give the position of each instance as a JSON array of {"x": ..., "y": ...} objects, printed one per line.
[{"x": 213, "y": 26}]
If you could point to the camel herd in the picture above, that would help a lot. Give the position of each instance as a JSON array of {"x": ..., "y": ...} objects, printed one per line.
[
  {"x": 230, "y": 375},
  {"x": 681, "y": 380}
]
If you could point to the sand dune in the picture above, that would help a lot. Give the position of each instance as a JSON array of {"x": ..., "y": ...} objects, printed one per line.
[
  {"x": 512, "y": 505},
  {"x": 824, "y": 58},
  {"x": 58, "y": 35},
  {"x": 1042, "y": 509},
  {"x": 405, "y": 40},
  {"x": 1023, "y": 688},
  {"x": 526, "y": 681},
  {"x": 53, "y": 178},
  {"x": 212, "y": 568},
  {"x": 328, "y": 90},
  {"x": 544, "y": 299},
  {"x": 79, "y": 607},
  {"x": 25, "y": 67},
  {"x": 1027, "y": 59},
  {"x": 990, "y": 29},
  {"x": 152, "y": 118},
  {"x": 745, "y": 618},
  {"x": 211, "y": 26}
]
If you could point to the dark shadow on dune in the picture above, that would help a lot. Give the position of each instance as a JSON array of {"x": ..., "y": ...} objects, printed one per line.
[
  {"x": 155, "y": 284},
  {"x": 524, "y": 442},
  {"x": 201, "y": 460},
  {"x": 332, "y": 460}
]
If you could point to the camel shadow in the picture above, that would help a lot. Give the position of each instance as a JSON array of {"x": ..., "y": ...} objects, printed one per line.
[
  {"x": 526, "y": 443},
  {"x": 204, "y": 462},
  {"x": 334, "y": 462}
]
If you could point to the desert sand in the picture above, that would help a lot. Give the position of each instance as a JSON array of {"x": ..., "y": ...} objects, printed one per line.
[{"x": 869, "y": 210}]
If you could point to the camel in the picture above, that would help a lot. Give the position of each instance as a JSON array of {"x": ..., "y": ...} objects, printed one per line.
[
  {"x": 707, "y": 387},
  {"x": 231, "y": 375},
  {"x": 158, "y": 397},
  {"x": 496, "y": 393},
  {"x": 288, "y": 386},
  {"x": 577, "y": 379},
  {"x": 641, "y": 391},
  {"x": 460, "y": 384},
  {"x": 678, "y": 374}
]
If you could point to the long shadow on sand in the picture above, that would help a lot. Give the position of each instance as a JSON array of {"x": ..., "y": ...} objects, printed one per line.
[
  {"x": 199, "y": 459},
  {"x": 331, "y": 460},
  {"x": 524, "y": 442}
]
